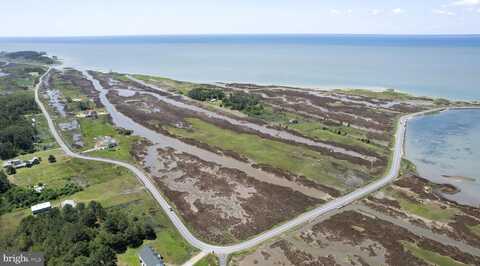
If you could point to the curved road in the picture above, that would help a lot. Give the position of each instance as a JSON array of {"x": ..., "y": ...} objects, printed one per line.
[{"x": 225, "y": 250}]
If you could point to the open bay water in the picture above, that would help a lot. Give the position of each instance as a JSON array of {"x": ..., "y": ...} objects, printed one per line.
[
  {"x": 445, "y": 147},
  {"x": 442, "y": 66}
]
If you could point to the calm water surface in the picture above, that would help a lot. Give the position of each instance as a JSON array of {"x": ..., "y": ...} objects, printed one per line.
[
  {"x": 445, "y": 66},
  {"x": 448, "y": 144}
]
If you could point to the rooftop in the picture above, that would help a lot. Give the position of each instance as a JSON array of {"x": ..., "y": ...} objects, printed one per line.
[
  {"x": 41, "y": 206},
  {"x": 148, "y": 255}
]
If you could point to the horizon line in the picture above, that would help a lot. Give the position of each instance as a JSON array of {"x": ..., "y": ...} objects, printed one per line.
[{"x": 249, "y": 34}]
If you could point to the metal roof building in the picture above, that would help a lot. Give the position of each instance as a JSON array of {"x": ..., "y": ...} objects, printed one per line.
[
  {"x": 42, "y": 207},
  {"x": 148, "y": 257}
]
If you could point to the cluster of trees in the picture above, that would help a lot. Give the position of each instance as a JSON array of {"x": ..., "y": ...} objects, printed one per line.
[
  {"x": 12, "y": 196},
  {"x": 84, "y": 235},
  {"x": 16, "y": 132},
  {"x": 245, "y": 102},
  {"x": 38, "y": 57},
  {"x": 241, "y": 101},
  {"x": 204, "y": 94}
]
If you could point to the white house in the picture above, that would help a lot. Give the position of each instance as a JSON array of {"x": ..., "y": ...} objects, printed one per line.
[
  {"x": 68, "y": 202},
  {"x": 42, "y": 207}
]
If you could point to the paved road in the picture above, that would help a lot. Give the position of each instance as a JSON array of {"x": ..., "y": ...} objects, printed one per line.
[{"x": 224, "y": 250}]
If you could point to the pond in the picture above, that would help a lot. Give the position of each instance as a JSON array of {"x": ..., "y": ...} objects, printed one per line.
[{"x": 445, "y": 147}]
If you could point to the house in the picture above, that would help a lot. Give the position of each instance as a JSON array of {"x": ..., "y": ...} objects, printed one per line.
[
  {"x": 38, "y": 188},
  {"x": 148, "y": 257},
  {"x": 16, "y": 163},
  {"x": 105, "y": 142},
  {"x": 68, "y": 202},
  {"x": 42, "y": 207}
]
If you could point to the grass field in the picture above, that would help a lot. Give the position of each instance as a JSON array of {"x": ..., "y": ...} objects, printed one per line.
[
  {"x": 475, "y": 229},
  {"x": 179, "y": 86},
  {"x": 427, "y": 210},
  {"x": 113, "y": 187},
  {"x": 296, "y": 159},
  {"x": 209, "y": 260},
  {"x": 429, "y": 256},
  {"x": 92, "y": 128},
  {"x": 382, "y": 95}
]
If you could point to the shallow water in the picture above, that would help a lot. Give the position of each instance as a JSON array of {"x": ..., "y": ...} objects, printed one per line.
[
  {"x": 164, "y": 142},
  {"x": 448, "y": 144}
]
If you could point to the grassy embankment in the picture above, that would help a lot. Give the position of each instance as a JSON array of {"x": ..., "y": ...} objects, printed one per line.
[
  {"x": 292, "y": 158},
  {"x": 427, "y": 210},
  {"x": 475, "y": 229},
  {"x": 209, "y": 260},
  {"x": 181, "y": 87},
  {"x": 316, "y": 130},
  {"x": 387, "y": 94},
  {"x": 430, "y": 256},
  {"x": 113, "y": 187}
]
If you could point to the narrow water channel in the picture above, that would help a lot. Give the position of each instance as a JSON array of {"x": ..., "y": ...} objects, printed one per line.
[
  {"x": 164, "y": 142},
  {"x": 274, "y": 133}
]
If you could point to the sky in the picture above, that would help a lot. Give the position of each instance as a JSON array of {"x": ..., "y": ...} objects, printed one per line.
[{"x": 152, "y": 17}]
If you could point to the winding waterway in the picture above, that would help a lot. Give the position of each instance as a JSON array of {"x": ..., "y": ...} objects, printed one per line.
[
  {"x": 164, "y": 142},
  {"x": 445, "y": 147},
  {"x": 274, "y": 133}
]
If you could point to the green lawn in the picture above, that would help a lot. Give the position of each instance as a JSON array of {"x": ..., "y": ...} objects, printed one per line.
[
  {"x": 113, "y": 187},
  {"x": 293, "y": 158},
  {"x": 65, "y": 170},
  {"x": 430, "y": 256},
  {"x": 92, "y": 128},
  {"x": 209, "y": 260},
  {"x": 429, "y": 211},
  {"x": 475, "y": 229}
]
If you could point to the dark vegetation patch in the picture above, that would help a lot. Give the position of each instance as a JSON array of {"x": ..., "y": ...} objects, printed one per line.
[
  {"x": 82, "y": 235},
  {"x": 29, "y": 56},
  {"x": 17, "y": 133},
  {"x": 302, "y": 258},
  {"x": 267, "y": 206},
  {"x": 390, "y": 236}
]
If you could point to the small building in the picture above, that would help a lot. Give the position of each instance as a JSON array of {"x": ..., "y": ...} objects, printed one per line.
[
  {"x": 42, "y": 207},
  {"x": 149, "y": 257},
  {"x": 68, "y": 202},
  {"x": 16, "y": 163},
  {"x": 38, "y": 188},
  {"x": 105, "y": 142}
]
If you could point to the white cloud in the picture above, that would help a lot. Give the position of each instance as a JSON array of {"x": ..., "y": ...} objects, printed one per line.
[
  {"x": 466, "y": 3},
  {"x": 340, "y": 12},
  {"x": 443, "y": 12},
  {"x": 398, "y": 11},
  {"x": 376, "y": 12},
  {"x": 335, "y": 11}
]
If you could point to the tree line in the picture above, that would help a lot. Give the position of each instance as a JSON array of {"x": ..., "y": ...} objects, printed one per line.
[
  {"x": 17, "y": 134},
  {"x": 80, "y": 236},
  {"x": 241, "y": 101}
]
